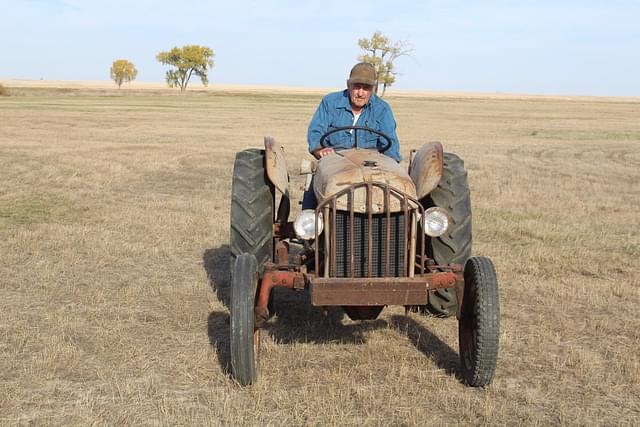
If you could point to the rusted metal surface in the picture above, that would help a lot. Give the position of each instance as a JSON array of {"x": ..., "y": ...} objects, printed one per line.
[
  {"x": 339, "y": 171},
  {"x": 343, "y": 200},
  {"x": 270, "y": 279},
  {"x": 333, "y": 237},
  {"x": 426, "y": 168},
  {"x": 370, "y": 234},
  {"x": 387, "y": 260},
  {"x": 407, "y": 218},
  {"x": 352, "y": 255},
  {"x": 327, "y": 243},
  {"x": 276, "y": 164},
  {"x": 374, "y": 291},
  {"x": 412, "y": 247},
  {"x": 282, "y": 253},
  {"x": 459, "y": 287},
  {"x": 283, "y": 230},
  {"x": 423, "y": 239}
]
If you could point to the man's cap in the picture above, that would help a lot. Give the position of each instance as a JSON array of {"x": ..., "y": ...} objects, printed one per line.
[{"x": 363, "y": 73}]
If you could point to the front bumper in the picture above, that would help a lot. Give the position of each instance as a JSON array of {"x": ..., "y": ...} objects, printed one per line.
[{"x": 378, "y": 291}]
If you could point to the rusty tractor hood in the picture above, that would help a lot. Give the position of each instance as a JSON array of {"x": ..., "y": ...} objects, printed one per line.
[{"x": 356, "y": 166}]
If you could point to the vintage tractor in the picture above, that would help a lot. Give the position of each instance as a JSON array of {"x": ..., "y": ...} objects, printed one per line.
[{"x": 378, "y": 236}]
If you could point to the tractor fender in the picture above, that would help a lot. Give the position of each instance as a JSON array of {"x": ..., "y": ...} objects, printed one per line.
[
  {"x": 426, "y": 168},
  {"x": 276, "y": 164}
]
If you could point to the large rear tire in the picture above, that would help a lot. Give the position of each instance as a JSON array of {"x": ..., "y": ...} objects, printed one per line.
[
  {"x": 454, "y": 247},
  {"x": 244, "y": 337},
  {"x": 479, "y": 324},
  {"x": 252, "y": 207}
]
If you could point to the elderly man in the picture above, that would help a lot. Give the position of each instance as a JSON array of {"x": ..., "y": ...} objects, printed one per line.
[{"x": 355, "y": 106}]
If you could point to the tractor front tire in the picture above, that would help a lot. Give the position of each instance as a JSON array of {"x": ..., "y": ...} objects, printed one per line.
[
  {"x": 454, "y": 247},
  {"x": 252, "y": 207},
  {"x": 479, "y": 324},
  {"x": 244, "y": 337}
]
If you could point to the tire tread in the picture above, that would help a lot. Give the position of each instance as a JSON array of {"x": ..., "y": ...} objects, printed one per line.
[
  {"x": 454, "y": 247},
  {"x": 485, "y": 317},
  {"x": 243, "y": 290},
  {"x": 252, "y": 207}
]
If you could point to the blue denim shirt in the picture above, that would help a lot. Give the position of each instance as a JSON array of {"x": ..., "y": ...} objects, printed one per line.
[{"x": 335, "y": 111}]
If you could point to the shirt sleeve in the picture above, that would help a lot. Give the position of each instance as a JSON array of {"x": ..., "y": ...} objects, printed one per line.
[
  {"x": 318, "y": 125},
  {"x": 388, "y": 126}
]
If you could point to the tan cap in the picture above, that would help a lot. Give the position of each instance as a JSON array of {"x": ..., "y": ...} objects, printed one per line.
[{"x": 363, "y": 73}]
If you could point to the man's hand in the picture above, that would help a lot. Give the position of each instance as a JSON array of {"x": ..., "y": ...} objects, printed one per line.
[{"x": 321, "y": 152}]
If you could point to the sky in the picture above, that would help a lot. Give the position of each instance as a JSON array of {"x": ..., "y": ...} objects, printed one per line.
[{"x": 492, "y": 46}]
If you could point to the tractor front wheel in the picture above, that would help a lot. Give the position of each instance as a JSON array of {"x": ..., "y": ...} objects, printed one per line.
[
  {"x": 479, "y": 323},
  {"x": 245, "y": 337}
]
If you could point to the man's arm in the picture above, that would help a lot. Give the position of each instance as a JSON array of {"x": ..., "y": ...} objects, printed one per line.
[
  {"x": 388, "y": 126},
  {"x": 318, "y": 126}
]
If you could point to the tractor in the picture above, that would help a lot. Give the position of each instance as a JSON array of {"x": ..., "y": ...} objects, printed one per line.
[{"x": 379, "y": 235}]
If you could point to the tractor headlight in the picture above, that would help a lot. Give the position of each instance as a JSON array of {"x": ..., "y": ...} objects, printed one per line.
[
  {"x": 436, "y": 221},
  {"x": 305, "y": 224}
]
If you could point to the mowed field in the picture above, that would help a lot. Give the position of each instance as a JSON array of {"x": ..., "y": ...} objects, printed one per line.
[{"x": 114, "y": 273}]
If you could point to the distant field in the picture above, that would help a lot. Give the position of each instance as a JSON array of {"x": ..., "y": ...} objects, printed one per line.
[{"x": 114, "y": 264}]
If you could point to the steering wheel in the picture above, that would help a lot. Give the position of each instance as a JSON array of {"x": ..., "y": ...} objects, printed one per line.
[{"x": 382, "y": 149}]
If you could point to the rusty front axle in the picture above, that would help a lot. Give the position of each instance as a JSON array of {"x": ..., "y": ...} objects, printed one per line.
[
  {"x": 270, "y": 279},
  {"x": 355, "y": 291}
]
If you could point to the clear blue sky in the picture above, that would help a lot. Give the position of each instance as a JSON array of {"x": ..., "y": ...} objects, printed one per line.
[{"x": 539, "y": 47}]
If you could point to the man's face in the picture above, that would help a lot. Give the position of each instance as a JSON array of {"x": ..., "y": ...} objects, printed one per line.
[{"x": 359, "y": 95}]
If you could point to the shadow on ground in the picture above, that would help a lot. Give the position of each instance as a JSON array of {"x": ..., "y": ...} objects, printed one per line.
[
  {"x": 218, "y": 333},
  {"x": 428, "y": 343},
  {"x": 216, "y": 264},
  {"x": 295, "y": 320}
]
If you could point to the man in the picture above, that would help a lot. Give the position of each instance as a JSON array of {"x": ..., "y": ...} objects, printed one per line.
[{"x": 355, "y": 106}]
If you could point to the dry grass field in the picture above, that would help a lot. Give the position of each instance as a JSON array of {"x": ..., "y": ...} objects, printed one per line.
[{"x": 114, "y": 265}]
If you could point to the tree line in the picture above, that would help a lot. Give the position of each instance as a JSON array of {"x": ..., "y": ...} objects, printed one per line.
[{"x": 190, "y": 60}]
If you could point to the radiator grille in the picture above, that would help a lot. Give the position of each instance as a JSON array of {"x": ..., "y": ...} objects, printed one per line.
[
  {"x": 397, "y": 245},
  {"x": 355, "y": 244}
]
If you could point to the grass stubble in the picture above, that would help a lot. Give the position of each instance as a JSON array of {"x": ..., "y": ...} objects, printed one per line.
[{"x": 114, "y": 266}]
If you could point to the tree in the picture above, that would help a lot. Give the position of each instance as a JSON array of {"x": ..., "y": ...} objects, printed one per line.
[
  {"x": 187, "y": 60},
  {"x": 382, "y": 52},
  {"x": 123, "y": 71}
]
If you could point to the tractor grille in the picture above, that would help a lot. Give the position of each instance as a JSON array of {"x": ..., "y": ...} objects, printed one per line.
[
  {"x": 396, "y": 246},
  {"x": 357, "y": 244}
]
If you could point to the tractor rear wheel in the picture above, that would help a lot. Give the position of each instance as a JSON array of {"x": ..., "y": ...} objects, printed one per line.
[
  {"x": 479, "y": 324},
  {"x": 454, "y": 247},
  {"x": 252, "y": 207},
  {"x": 244, "y": 337}
]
